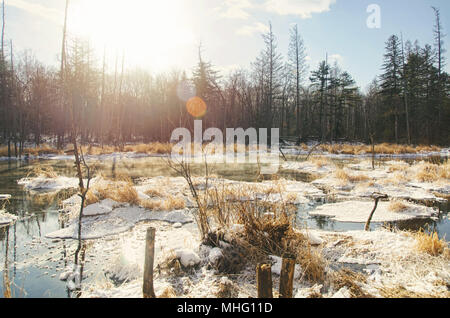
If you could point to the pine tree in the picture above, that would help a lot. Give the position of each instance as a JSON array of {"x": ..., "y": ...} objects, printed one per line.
[{"x": 391, "y": 83}]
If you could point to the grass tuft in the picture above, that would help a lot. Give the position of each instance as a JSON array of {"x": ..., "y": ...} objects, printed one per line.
[{"x": 431, "y": 244}]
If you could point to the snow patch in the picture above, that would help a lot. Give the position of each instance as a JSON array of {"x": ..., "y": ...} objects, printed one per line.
[{"x": 359, "y": 211}]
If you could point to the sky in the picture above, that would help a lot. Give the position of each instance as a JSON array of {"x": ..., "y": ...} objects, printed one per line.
[{"x": 161, "y": 35}]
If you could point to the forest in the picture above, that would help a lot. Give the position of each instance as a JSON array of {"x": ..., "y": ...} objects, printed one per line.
[{"x": 407, "y": 103}]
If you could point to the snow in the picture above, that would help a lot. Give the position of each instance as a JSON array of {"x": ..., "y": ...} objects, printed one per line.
[
  {"x": 104, "y": 207},
  {"x": 344, "y": 292},
  {"x": 359, "y": 212},
  {"x": 215, "y": 255},
  {"x": 312, "y": 236},
  {"x": 48, "y": 184},
  {"x": 308, "y": 167},
  {"x": 6, "y": 218},
  {"x": 187, "y": 257},
  {"x": 277, "y": 263},
  {"x": 118, "y": 221}
]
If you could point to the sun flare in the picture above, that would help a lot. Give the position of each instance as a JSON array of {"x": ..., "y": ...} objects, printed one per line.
[{"x": 148, "y": 32}]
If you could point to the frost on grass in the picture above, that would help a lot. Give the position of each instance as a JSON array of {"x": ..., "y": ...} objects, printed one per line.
[
  {"x": 359, "y": 211},
  {"x": 390, "y": 260},
  {"x": 7, "y": 218}
]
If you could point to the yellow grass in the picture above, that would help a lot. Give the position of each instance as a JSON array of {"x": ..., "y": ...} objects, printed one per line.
[
  {"x": 169, "y": 204},
  {"x": 402, "y": 292},
  {"x": 345, "y": 178},
  {"x": 320, "y": 161},
  {"x": 154, "y": 193},
  {"x": 430, "y": 243},
  {"x": 121, "y": 191},
  {"x": 398, "y": 167},
  {"x": 174, "y": 203},
  {"x": 384, "y": 148},
  {"x": 36, "y": 151},
  {"x": 428, "y": 172},
  {"x": 397, "y": 206},
  {"x": 39, "y": 171},
  {"x": 350, "y": 279},
  {"x": 152, "y": 148}
]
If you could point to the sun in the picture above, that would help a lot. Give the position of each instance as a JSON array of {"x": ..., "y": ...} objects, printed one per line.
[{"x": 148, "y": 32}]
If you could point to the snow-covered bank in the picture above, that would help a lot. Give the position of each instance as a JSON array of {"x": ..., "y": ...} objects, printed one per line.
[
  {"x": 108, "y": 219},
  {"x": 42, "y": 183},
  {"x": 6, "y": 218},
  {"x": 359, "y": 211},
  {"x": 386, "y": 260}
]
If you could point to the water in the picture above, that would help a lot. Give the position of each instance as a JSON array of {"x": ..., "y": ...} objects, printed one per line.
[{"x": 32, "y": 264}]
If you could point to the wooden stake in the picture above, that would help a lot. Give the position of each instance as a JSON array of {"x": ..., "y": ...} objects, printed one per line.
[
  {"x": 264, "y": 280},
  {"x": 377, "y": 197},
  {"x": 287, "y": 278},
  {"x": 148, "y": 267}
]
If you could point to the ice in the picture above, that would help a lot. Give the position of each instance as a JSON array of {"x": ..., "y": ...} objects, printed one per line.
[
  {"x": 48, "y": 184},
  {"x": 359, "y": 211},
  {"x": 118, "y": 221}
]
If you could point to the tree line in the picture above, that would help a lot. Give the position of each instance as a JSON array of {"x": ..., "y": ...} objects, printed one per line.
[{"x": 82, "y": 100}]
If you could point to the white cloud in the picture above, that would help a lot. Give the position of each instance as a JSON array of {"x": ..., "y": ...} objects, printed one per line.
[
  {"x": 239, "y": 9},
  {"x": 40, "y": 10},
  {"x": 235, "y": 9},
  {"x": 335, "y": 58},
  {"x": 302, "y": 8},
  {"x": 249, "y": 30}
]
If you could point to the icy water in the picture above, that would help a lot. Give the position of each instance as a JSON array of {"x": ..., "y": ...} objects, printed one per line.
[{"x": 32, "y": 264}]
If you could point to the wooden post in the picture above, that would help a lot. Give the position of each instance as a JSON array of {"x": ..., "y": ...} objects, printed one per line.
[
  {"x": 148, "y": 267},
  {"x": 287, "y": 278},
  {"x": 377, "y": 197},
  {"x": 264, "y": 281}
]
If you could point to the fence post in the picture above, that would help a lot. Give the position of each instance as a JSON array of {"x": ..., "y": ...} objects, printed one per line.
[
  {"x": 287, "y": 278},
  {"x": 148, "y": 267},
  {"x": 264, "y": 281}
]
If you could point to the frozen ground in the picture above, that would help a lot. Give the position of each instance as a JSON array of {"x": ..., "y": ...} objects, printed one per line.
[{"x": 389, "y": 260}]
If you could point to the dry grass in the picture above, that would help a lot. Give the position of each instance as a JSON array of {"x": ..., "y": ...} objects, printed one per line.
[
  {"x": 168, "y": 292},
  {"x": 397, "y": 178},
  {"x": 174, "y": 203},
  {"x": 345, "y": 178},
  {"x": 402, "y": 292},
  {"x": 398, "y": 167},
  {"x": 312, "y": 263},
  {"x": 397, "y": 206},
  {"x": 120, "y": 191},
  {"x": 428, "y": 172},
  {"x": 43, "y": 149},
  {"x": 321, "y": 161},
  {"x": 152, "y": 148},
  {"x": 154, "y": 193},
  {"x": 350, "y": 279},
  {"x": 431, "y": 244},
  {"x": 169, "y": 204},
  {"x": 385, "y": 148},
  {"x": 39, "y": 171}
]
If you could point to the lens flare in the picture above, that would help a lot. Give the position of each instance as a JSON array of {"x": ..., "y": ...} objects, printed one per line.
[{"x": 196, "y": 107}]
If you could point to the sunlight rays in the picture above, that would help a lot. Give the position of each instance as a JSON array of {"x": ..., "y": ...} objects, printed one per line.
[{"x": 150, "y": 33}]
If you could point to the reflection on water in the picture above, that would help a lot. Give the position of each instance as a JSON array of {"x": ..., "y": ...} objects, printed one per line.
[{"x": 30, "y": 264}]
